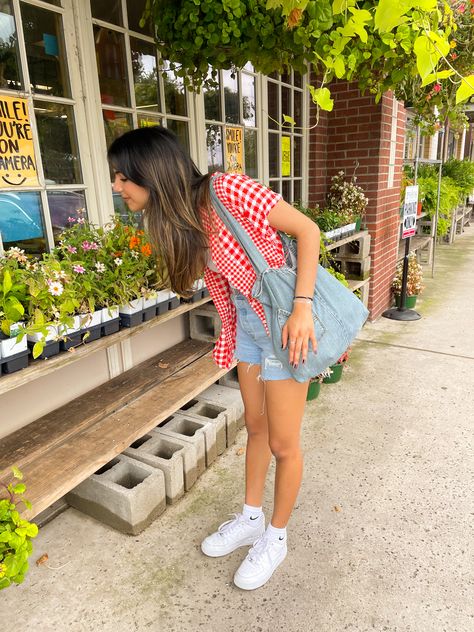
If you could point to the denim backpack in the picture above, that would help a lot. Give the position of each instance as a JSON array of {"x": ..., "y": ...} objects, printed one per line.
[{"x": 338, "y": 314}]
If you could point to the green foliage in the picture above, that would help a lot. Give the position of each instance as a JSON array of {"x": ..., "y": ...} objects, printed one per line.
[
  {"x": 13, "y": 292},
  {"x": 462, "y": 172},
  {"x": 450, "y": 197},
  {"x": 15, "y": 534},
  {"x": 417, "y": 48},
  {"x": 414, "y": 278}
]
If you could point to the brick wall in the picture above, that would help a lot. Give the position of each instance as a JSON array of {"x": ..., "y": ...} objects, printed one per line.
[{"x": 356, "y": 137}]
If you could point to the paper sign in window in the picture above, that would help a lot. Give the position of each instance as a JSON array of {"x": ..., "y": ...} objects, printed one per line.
[
  {"x": 285, "y": 156},
  {"x": 17, "y": 154},
  {"x": 233, "y": 145}
]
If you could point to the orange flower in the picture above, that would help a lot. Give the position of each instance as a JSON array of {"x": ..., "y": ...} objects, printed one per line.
[
  {"x": 117, "y": 254},
  {"x": 134, "y": 242},
  {"x": 146, "y": 250}
]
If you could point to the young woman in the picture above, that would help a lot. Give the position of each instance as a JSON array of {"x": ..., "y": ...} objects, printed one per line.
[{"x": 154, "y": 174}]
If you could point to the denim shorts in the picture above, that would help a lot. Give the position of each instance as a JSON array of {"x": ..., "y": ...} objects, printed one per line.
[{"x": 253, "y": 345}]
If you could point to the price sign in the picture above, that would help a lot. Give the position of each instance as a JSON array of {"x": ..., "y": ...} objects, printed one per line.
[{"x": 409, "y": 211}]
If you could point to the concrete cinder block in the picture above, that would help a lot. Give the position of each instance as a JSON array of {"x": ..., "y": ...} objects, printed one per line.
[
  {"x": 170, "y": 458},
  {"x": 189, "y": 428},
  {"x": 231, "y": 399},
  {"x": 230, "y": 379},
  {"x": 211, "y": 413},
  {"x": 124, "y": 493},
  {"x": 204, "y": 323},
  {"x": 197, "y": 441}
]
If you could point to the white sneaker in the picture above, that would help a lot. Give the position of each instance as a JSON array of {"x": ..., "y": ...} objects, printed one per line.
[
  {"x": 233, "y": 534},
  {"x": 262, "y": 560}
]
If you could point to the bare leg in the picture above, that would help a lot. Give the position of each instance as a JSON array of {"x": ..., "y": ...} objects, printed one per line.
[
  {"x": 285, "y": 401},
  {"x": 258, "y": 454}
]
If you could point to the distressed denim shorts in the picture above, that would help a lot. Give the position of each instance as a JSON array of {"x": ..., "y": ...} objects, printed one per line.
[{"x": 253, "y": 345}]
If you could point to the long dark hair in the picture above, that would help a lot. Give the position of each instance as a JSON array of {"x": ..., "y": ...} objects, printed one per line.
[{"x": 152, "y": 157}]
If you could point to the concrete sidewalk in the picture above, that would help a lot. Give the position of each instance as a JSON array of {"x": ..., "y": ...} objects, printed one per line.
[{"x": 381, "y": 538}]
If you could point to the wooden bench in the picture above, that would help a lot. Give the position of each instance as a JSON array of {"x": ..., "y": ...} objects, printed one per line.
[{"x": 61, "y": 449}]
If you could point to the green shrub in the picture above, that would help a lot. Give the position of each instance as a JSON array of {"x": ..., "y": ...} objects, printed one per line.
[{"x": 462, "y": 172}]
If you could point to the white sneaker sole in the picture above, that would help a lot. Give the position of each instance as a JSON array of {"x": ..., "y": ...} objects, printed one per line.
[
  {"x": 247, "y": 583},
  {"x": 211, "y": 551}
]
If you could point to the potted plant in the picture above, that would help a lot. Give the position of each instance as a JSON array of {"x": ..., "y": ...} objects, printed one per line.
[
  {"x": 13, "y": 293},
  {"x": 334, "y": 372},
  {"x": 15, "y": 534},
  {"x": 347, "y": 200},
  {"x": 414, "y": 281}
]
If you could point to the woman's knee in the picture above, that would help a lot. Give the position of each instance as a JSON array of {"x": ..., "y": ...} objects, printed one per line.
[
  {"x": 285, "y": 451},
  {"x": 256, "y": 425}
]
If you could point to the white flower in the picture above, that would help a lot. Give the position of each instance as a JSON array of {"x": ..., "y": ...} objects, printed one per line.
[
  {"x": 56, "y": 288},
  {"x": 135, "y": 254},
  {"x": 100, "y": 267},
  {"x": 118, "y": 261}
]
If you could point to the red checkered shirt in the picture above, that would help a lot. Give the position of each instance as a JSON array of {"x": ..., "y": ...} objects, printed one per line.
[{"x": 250, "y": 203}]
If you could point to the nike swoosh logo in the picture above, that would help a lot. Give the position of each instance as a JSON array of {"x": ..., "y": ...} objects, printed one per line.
[{"x": 256, "y": 518}]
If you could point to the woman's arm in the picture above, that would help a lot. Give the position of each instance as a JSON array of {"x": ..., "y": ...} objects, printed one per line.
[{"x": 299, "y": 328}]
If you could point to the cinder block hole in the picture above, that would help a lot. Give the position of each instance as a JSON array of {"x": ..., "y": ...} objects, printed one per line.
[
  {"x": 136, "y": 444},
  {"x": 204, "y": 325},
  {"x": 209, "y": 410},
  {"x": 108, "y": 466},
  {"x": 189, "y": 404},
  {"x": 354, "y": 247},
  {"x": 129, "y": 480},
  {"x": 354, "y": 267},
  {"x": 166, "y": 450},
  {"x": 187, "y": 427}
]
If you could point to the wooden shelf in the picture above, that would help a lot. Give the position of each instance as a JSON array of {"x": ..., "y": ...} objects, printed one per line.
[
  {"x": 355, "y": 284},
  {"x": 416, "y": 243},
  {"x": 346, "y": 240},
  {"x": 40, "y": 368},
  {"x": 61, "y": 449}
]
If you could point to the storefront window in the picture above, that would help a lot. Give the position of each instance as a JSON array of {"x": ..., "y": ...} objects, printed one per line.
[
  {"x": 116, "y": 124},
  {"x": 145, "y": 79},
  {"x": 9, "y": 58},
  {"x": 175, "y": 96},
  {"x": 63, "y": 205},
  {"x": 21, "y": 221},
  {"x": 112, "y": 66},
  {"x": 230, "y": 107},
  {"x": 285, "y": 141},
  {"x": 57, "y": 137},
  {"x": 43, "y": 33},
  {"x": 107, "y": 11}
]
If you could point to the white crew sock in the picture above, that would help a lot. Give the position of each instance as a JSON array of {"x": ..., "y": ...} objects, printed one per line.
[
  {"x": 274, "y": 533},
  {"x": 251, "y": 513}
]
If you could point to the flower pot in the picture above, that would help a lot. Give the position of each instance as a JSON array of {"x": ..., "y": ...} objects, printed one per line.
[
  {"x": 109, "y": 313},
  {"x": 131, "y": 315},
  {"x": 418, "y": 208},
  {"x": 52, "y": 333},
  {"x": 132, "y": 307},
  {"x": 9, "y": 345},
  {"x": 410, "y": 301},
  {"x": 91, "y": 320},
  {"x": 336, "y": 374},
  {"x": 358, "y": 222},
  {"x": 149, "y": 306},
  {"x": 313, "y": 390}
]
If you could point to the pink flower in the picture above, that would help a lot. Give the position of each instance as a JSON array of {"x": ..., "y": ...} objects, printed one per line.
[
  {"x": 81, "y": 220},
  {"x": 462, "y": 8},
  {"x": 71, "y": 220},
  {"x": 89, "y": 245},
  {"x": 437, "y": 87},
  {"x": 79, "y": 269},
  {"x": 72, "y": 249}
]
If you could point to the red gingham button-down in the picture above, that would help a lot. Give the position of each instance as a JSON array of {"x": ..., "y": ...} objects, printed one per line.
[{"x": 249, "y": 202}]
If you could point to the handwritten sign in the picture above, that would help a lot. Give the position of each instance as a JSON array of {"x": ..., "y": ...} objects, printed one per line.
[
  {"x": 285, "y": 156},
  {"x": 17, "y": 154},
  {"x": 233, "y": 144},
  {"x": 409, "y": 211}
]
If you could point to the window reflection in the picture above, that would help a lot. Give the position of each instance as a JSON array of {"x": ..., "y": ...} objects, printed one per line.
[
  {"x": 112, "y": 66},
  {"x": 21, "y": 221},
  {"x": 231, "y": 97},
  {"x": 175, "y": 96},
  {"x": 248, "y": 100},
  {"x": 286, "y": 190},
  {"x": 180, "y": 128},
  {"x": 65, "y": 204},
  {"x": 273, "y": 98},
  {"x": 58, "y": 142},
  {"x": 212, "y": 101},
  {"x": 135, "y": 9},
  {"x": 297, "y": 191},
  {"x": 145, "y": 75},
  {"x": 108, "y": 11},
  {"x": 9, "y": 59},
  {"x": 116, "y": 124},
  {"x": 43, "y": 33},
  {"x": 274, "y": 155},
  {"x": 215, "y": 156},
  {"x": 250, "y": 147}
]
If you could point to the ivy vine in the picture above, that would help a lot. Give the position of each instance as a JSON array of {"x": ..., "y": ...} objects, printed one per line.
[{"x": 421, "y": 49}]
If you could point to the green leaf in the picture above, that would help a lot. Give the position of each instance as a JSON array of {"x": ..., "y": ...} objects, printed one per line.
[
  {"x": 436, "y": 76},
  {"x": 38, "y": 349},
  {"x": 426, "y": 56},
  {"x": 17, "y": 473},
  {"x": 32, "y": 530},
  {"x": 389, "y": 14},
  {"x": 465, "y": 90},
  {"x": 288, "y": 119},
  {"x": 322, "y": 97},
  {"x": 7, "y": 282},
  {"x": 19, "y": 488},
  {"x": 338, "y": 6},
  {"x": 339, "y": 67}
]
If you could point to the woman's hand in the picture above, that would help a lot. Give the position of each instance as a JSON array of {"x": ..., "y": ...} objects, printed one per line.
[{"x": 297, "y": 332}]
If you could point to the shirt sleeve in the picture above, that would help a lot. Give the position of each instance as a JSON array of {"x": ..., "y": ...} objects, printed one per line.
[{"x": 247, "y": 198}]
